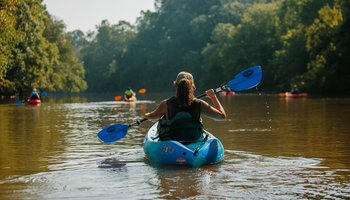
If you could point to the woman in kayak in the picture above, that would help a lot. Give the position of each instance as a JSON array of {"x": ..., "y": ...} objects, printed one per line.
[
  {"x": 173, "y": 112},
  {"x": 129, "y": 93},
  {"x": 34, "y": 95}
]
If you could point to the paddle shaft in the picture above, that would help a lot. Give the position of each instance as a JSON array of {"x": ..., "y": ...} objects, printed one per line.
[
  {"x": 219, "y": 89},
  {"x": 138, "y": 122}
]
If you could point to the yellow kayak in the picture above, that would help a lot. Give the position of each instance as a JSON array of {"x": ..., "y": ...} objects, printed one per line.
[{"x": 131, "y": 99}]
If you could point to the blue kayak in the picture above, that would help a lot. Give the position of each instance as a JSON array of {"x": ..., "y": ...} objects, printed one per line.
[{"x": 208, "y": 150}]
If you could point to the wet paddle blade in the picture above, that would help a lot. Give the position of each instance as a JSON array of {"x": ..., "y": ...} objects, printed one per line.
[
  {"x": 247, "y": 79},
  {"x": 44, "y": 93},
  {"x": 19, "y": 102},
  {"x": 113, "y": 133},
  {"x": 117, "y": 98},
  {"x": 142, "y": 91}
]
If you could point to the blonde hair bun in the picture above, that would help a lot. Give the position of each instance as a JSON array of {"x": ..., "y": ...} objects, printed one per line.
[{"x": 184, "y": 75}]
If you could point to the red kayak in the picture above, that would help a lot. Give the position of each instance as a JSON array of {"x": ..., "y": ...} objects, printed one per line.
[
  {"x": 34, "y": 102},
  {"x": 291, "y": 95},
  {"x": 227, "y": 93}
]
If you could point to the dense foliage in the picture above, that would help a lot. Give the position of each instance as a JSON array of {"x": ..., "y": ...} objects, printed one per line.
[
  {"x": 301, "y": 43},
  {"x": 304, "y": 43},
  {"x": 35, "y": 51}
]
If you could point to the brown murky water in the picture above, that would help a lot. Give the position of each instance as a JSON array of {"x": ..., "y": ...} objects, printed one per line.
[{"x": 275, "y": 148}]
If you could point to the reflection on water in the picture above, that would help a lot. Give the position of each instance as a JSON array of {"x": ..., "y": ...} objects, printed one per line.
[
  {"x": 282, "y": 177},
  {"x": 275, "y": 149},
  {"x": 242, "y": 175}
]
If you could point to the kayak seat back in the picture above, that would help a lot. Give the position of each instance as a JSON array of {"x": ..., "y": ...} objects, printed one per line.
[{"x": 183, "y": 127}]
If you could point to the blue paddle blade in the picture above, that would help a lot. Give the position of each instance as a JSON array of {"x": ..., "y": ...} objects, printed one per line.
[
  {"x": 44, "y": 93},
  {"x": 113, "y": 133},
  {"x": 247, "y": 79},
  {"x": 19, "y": 102}
]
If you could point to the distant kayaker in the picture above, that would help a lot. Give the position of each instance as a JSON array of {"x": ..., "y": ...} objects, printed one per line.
[
  {"x": 185, "y": 102},
  {"x": 129, "y": 93},
  {"x": 34, "y": 95},
  {"x": 295, "y": 89}
]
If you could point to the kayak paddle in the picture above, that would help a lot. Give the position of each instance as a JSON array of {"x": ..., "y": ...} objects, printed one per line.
[
  {"x": 115, "y": 132},
  {"x": 44, "y": 93},
  {"x": 20, "y": 102},
  {"x": 246, "y": 79},
  {"x": 141, "y": 91},
  {"x": 117, "y": 98}
]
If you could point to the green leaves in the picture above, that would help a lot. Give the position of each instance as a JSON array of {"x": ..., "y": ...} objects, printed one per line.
[
  {"x": 295, "y": 41},
  {"x": 302, "y": 42},
  {"x": 35, "y": 51}
]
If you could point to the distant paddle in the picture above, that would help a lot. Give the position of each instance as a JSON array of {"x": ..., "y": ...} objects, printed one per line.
[
  {"x": 117, "y": 98},
  {"x": 44, "y": 93},
  {"x": 246, "y": 79},
  {"x": 141, "y": 91},
  {"x": 20, "y": 102}
]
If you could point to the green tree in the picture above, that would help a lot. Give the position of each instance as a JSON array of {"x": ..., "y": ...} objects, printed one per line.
[
  {"x": 33, "y": 55},
  {"x": 103, "y": 55},
  {"x": 167, "y": 39},
  {"x": 342, "y": 58},
  {"x": 78, "y": 39},
  {"x": 297, "y": 42},
  {"x": 322, "y": 74},
  {"x": 254, "y": 41},
  {"x": 291, "y": 58},
  {"x": 35, "y": 51},
  {"x": 68, "y": 73},
  {"x": 217, "y": 52},
  {"x": 9, "y": 37}
]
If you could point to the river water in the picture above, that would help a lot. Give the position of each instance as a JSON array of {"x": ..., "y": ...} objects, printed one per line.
[{"x": 275, "y": 148}]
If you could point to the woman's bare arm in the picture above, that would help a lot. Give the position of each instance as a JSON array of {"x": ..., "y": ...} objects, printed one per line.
[
  {"x": 217, "y": 112},
  {"x": 158, "y": 112}
]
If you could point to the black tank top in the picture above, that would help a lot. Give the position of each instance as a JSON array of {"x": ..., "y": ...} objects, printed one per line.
[
  {"x": 183, "y": 123},
  {"x": 194, "y": 109}
]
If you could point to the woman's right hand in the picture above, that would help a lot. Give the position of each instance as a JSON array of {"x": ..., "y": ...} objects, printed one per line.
[
  {"x": 210, "y": 93},
  {"x": 216, "y": 112}
]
